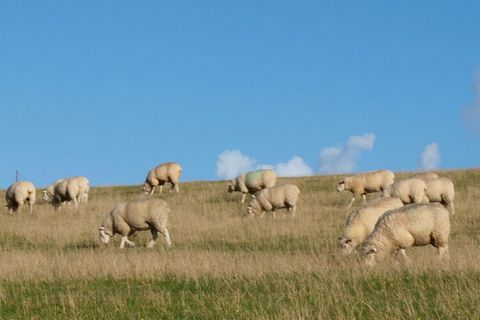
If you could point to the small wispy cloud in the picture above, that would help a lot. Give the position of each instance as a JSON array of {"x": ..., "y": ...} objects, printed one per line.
[
  {"x": 430, "y": 158},
  {"x": 471, "y": 114},
  {"x": 344, "y": 158},
  {"x": 230, "y": 163}
]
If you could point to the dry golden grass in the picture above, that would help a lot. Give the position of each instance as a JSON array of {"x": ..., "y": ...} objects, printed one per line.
[{"x": 213, "y": 240}]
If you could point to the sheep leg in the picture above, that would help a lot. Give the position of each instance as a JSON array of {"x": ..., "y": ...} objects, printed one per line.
[
  {"x": 30, "y": 207},
  {"x": 351, "y": 202},
  {"x": 402, "y": 254},
  {"x": 244, "y": 196},
  {"x": 364, "y": 197},
  {"x": 154, "y": 238},
  {"x": 451, "y": 208},
  {"x": 273, "y": 214},
  {"x": 443, "y": 252},
  {"x": 166, "y": 234},
  {"x": 176, "y": 187},
  {"x": 126, "y": 241},
  {"x": 75, "y": 202},
  {"x": 160, "y": 188},
  {"x": 293, "y": 210}
]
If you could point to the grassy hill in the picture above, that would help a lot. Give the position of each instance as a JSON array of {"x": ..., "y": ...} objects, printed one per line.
[{"x": 225, "y": 266}]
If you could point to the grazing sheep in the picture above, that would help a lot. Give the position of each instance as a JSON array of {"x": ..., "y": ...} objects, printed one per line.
[
  {"x": 426, "y": 176},
  {"x": 252, "y": 182},
  {"x": 368, "y": 182},
  {"x": 65, "y": 190},
  {"x": 127, "y": 218},
  {"x": 269, "y": 199},
  {"x": 408, "y": 190},
  {"x": 441, "y": 190},
  {"x": 158, "y": 176},
  {"x": 361, "y": 222},
  {"x": 412, "y": 225},
  {"x": 18, "y": 194}
]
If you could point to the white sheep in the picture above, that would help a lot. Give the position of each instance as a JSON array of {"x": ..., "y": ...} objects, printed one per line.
[
  {"x": 252, "y": 182},
  {"x": 412, "y": 225},
  {"x": 361, "y": 222},
  {"x": 361, "y": 184},
  {"x": 127, "y": 218},
  {"x": 18, "y": 194},
  {"x": 408, "y": 190},
  {"x": 441, "y": 190},
  {"x": 73, "y": 189},
  {"x": 158, "y": 176},
  {"x": 269, "y": 199}
]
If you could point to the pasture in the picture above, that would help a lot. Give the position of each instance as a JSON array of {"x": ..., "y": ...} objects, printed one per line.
[{"x": 225, "y": 266}]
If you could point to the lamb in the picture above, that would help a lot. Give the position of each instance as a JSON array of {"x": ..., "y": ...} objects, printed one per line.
[
  {"x": 361, "y": 222},
  {"x": 18, "y": 194},
  {"x": 269, "y": 199},
  {"x": 408, "y": 190},
  {"x": 252, "y": 182},
  {"x": 368, "y": 182},
  {"x": 65, "y": 190},
  {"x": 412, "y": 225},
  {"x": 158, "y": 176},
  {"x": 127, "y": 218},
  {"x": 441, "y": 190}
]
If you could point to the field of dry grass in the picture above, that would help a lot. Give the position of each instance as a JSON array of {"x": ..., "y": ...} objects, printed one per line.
[{"x": 223, "y": 265}]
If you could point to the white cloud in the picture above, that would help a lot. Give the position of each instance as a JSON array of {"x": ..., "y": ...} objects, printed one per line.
[
  {"x": 294, "y": 168},
  {"x": 231, "y": 163},
  {"x": 430, "y": 158},
  {"x": 343, "y": 159},
  {"x": 471, "y": 114}
]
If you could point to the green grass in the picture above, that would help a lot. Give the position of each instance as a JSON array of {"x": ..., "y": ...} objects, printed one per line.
[{"x": 426, "y": 295}]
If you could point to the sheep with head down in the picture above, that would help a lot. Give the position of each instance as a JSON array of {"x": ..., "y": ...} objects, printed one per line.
[
  {"x": 441, "y": 190},
  {"x": 19, "y": 194},
  {"x": 361, "y": 222},
  {"x": 278, "y": 197},
  {"x": 409, "y": 226},
  {"x": 369, "y": 182},
  {"x": 127, "y": 218},
  {"x": 73, "y": 189},
  {"x": 252, "y": 182},
  {"x": 166, "y": 172}
]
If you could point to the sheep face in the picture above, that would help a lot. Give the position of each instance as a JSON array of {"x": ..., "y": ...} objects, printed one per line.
[
  {"x": 104, "y": 237},
  {"x": 348, "y": 245},
  {"x": 47, "y": 196},
  {"x": 147, "y": 188},
  {"x": 254, "y": 207},
  {"x": 370, "y": 256},
  {"x": 341, "y": 186}
]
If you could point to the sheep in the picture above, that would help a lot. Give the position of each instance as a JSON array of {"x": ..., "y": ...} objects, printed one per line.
[
  {"x": 269, "y": 199},
  {"x": 426, "y": 176},
  {"x": 252, "y": 182},
  {"x": 361, "y": 222},
  {"x": 408, "y": 190},
  {"x": 127, "y": 218},
  {"x": 18, "y": 194},
  {"x": 412, "y": 225},
  {"x": 158, "y": 176},
  {"x": 65, "y": 190},
  {"x": 368, "y": 182},
  {"x": 441, "y": 190}
]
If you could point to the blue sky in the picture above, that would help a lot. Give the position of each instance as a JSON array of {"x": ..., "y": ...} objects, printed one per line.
[{"x": 109, "y": 89}]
